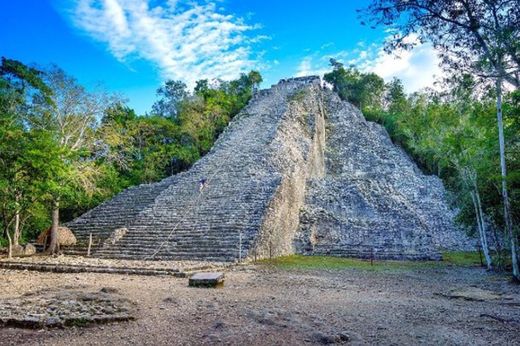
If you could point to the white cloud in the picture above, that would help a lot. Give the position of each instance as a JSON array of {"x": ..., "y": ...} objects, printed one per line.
[
  {"x": 417, "y": 68},
  {"x": 327, "y": 45},
  {"x": 304, "y": 69},
  {"x": 185, "y": 40},
  {"x": 309, "y": 67}
]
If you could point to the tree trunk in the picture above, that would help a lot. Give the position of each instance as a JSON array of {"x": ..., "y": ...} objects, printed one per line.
[
  {"x": 481, "y": 229},
  {"x": 9, "y": 239},
  {"x": 10, "y": 248},
  {"x": 54, "y": 245},
  {"x": 505, "y": 198},
  {"x": 16, "y": 232},
  {"x": 498, "y": 248},
  {"x": 484, "y": 234}
]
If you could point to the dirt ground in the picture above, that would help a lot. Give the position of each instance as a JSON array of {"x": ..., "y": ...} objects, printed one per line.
[{"x": 262, "y": 305}]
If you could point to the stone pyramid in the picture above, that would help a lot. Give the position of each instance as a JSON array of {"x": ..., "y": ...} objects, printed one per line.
[{"x": 298, "y": 170}]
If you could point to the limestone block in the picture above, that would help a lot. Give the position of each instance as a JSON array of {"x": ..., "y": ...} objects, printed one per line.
[
  {"x": 207, "y": 280},
  {"x": 17, "y": 250},
  {"x": 29, "y": 250}
]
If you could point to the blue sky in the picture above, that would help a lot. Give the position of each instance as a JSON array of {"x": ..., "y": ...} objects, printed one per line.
[{"x": 132, "y": 46}]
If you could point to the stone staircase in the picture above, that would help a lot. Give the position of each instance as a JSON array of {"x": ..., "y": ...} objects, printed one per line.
[{"x": 113, "y": 214}]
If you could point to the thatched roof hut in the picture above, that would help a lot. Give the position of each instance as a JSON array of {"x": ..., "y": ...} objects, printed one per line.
[{"x": 65, "y": 237}]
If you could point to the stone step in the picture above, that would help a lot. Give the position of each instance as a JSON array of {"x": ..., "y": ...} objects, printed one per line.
[
  {"x": 170, "y": 257},
  {"x": 168, "y": 251},
  {"x": 385, "y": 254},
  {"x": 172, "y": 248},
  {"x": 184, "y": 237},
  {"x": 194, "y": 245}
]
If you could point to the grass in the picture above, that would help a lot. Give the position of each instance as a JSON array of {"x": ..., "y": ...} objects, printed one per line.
[
  {"x": 464, "y": 259},
  {"x": 298, "y": 96}
]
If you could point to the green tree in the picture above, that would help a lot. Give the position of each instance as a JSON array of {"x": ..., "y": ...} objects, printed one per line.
[
  {"x": 171, "y": 94},
  {"x": 364, "y": 90},
  {"x": 20, "y": 168},
  {"x": 71, "y": 118}
]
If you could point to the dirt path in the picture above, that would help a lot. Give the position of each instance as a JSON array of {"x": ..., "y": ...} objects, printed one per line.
[{"x": 267, "y": 306}]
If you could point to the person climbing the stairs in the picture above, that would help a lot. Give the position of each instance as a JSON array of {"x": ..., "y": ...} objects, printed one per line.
[{"x": 202, "y": 184}]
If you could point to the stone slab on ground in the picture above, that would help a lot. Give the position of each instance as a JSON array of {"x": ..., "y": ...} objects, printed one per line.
[
  {"x": 475, "y": 294},
  {"x": 207, "y": 280},
  {"x": 65, "y": 309}
]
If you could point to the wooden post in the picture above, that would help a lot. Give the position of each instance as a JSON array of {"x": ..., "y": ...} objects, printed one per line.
[
  {"x": 480, "y": 256},
  {"x": 240, "y": 246},
  {"x": 89, "y": 244}
]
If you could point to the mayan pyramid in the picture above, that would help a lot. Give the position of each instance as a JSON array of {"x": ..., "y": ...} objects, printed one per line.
[{"x": 297, "y": 171}]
